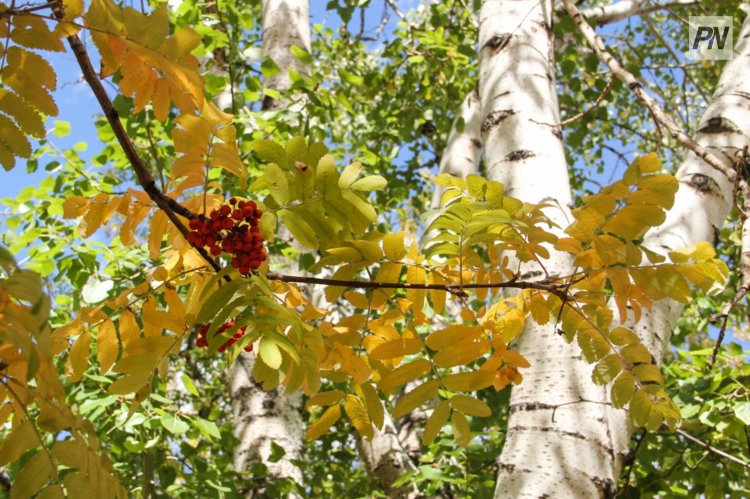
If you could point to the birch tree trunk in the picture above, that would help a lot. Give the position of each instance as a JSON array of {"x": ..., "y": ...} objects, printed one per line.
[
  {"x": 263, "y": 418},
  {"x": 579, "y": 454}
]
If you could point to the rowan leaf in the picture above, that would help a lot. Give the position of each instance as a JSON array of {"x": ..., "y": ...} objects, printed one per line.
[
  {"x": 416, "y": 397},
  {"x": 374, "y": 404},
  {"x": 461, "y": 429},
  {"x": 435, "y": 422},
  {"x": 328, "y": 419},
  {"x": 470, "y": 405},
  {"x": 357, "y": 414},
  {"x": 107, "y": 347},
  {"x": 403, "y": 374},
  {"x": 326, "y": 398}
]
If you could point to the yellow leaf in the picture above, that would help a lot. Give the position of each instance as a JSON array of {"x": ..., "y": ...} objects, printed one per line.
[
  {"x": 461, "y": 430},
  {"x": 404, "y": 374},
  {"x": 325, "y": 398},
  {"x": 396, "y": 348},
  {"x": 515, "y": 359},
  {"x": 322, "y": 425},
  {"x": 349, "y": 175},
  {"x": 373, "y": 403},
  {"x": 358, "y": 416},
  {"x": 393, "y": 246},
  {"x": 418, "y": 396},
  {"x": 359, "y": 300},
  {"x": 107, "y": 346},
  {"x": 19, "y": 440},
  {"x": 277, "y": 184},
  {"x": 78, "y": 357},
  {"x": 156, "y": 233},
  {"x": 33, "y": 32},
  {"x": 468, "y": 382},
  {"x": 452, "y": 334},
  {"x": 435, "y": 422},
  {"x": 623, "y": 390},
  {"x": 462, "y": 353},
  {"x": 470, "y": 405},
  {"x": 129, "y": 384},
  {"x": 35, "y": 474}
]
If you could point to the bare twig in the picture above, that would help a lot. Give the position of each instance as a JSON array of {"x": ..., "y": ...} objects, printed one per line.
[
  {"x": 597, "y": 45},
  {"x": 455, "y": 289},
  {"x": 596, "y": 103},
  {"x": 713, "y": 449}
]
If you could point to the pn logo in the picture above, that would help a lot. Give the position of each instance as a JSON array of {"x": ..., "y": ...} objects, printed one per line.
[{"x": 710, "y": 38}]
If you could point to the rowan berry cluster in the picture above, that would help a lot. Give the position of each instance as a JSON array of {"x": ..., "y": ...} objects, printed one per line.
[
  {"x": 203, "y": 336},
  {"x": 232, "y": 228}
]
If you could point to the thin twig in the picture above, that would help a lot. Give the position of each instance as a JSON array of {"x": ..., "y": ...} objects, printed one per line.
[
  {"x": 596, "y": 103},
  {"x": 455, "y": 289},
  {"x": 713, "y": 449},
  {"x": 597, "y": 45}
]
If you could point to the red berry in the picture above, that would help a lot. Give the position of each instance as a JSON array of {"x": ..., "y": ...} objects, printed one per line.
[
  {"x": 215, "y": 250},
  {"x": 244, "y": 270},
  {"x": 235, "y": 263},
  {"x": 237, "y": 214},
  {"x": 225, "y": 210}
]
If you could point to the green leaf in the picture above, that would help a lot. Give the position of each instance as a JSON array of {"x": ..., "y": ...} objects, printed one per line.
[
  {"x": 304, "y": 56},
  {"x": 174, "y": 424},
  {"x": 61, "y": 128},
  {"x": 742, "y": 411},
  {"x": 207, "y": 428}
]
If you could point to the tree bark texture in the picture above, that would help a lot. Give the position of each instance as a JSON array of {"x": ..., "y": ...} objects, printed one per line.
[
  {"x": 265, "y": 417},
  {"x": 579, "y": 452}
]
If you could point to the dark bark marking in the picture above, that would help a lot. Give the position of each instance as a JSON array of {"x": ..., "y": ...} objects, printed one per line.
[
  {"x": 719, "y": 125},
  {"x": 531, "y": 406},
  {"x": 497, "y": 42},
  {"x": 494, "y": 118},
  {"x": 477, "y": 143},
  {"x": 703, "y": 184},
  {"x": 557, "y": 132},
  {"x": 519, "y": 155}
]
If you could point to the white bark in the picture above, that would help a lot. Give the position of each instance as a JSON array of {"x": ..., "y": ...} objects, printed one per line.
[
  {"x": 572, "y": 455},
  {"x": 579, "y": 454},
  {"x": 286, "y": 23},
  {"x": 704, "y": 198},
  {"x": 262, "y": 417},
  {"x": 462, "y": 151},
  {"x": 387, "y": 460}
]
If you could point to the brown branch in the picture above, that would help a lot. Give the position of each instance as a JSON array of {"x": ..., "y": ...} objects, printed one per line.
[
  {"x": 455, "y": 289},
  {"x": 597, "y": 45},
  {"x": 168, "y": 205},
  {"x": 713, "y": 449}
]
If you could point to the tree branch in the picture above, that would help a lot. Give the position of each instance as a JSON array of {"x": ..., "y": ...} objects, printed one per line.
[
  {"x": 625, "y": 8},
  {"x": 713, "y": 449},
  {"x": 597, "y": 45},
  {"x": 170, "y": 206},
  {"x": 455, "y": 289}
]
